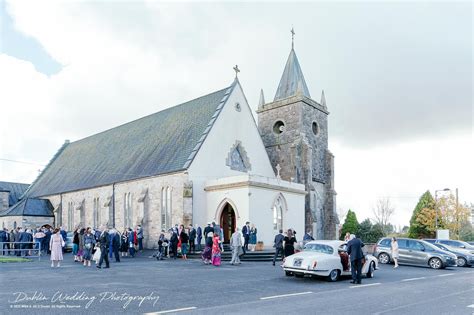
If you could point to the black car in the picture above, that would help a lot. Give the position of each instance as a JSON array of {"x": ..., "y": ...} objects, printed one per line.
[{"x": 464, "y": 258}]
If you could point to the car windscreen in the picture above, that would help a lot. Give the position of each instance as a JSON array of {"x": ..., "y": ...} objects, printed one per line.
[{"x": 320, "y": 248}]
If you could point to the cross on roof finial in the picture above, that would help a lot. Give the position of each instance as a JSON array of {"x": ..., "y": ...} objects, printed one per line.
[
  {"x": 237, "y": 70},
  {"x": 292, "y": 37}
]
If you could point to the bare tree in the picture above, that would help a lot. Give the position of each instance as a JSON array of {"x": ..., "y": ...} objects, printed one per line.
[
  {"x": 383, "y": 211},
  {"x": 341, "y": 214}
]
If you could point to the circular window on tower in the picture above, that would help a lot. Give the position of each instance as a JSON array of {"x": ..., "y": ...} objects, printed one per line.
[
  {"x": 237, "y": 107},
  {"x": 315, "y": 128},
  {"x": 279, "y": 127}
]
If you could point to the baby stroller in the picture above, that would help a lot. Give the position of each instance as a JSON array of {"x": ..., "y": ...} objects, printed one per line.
[{"x": 162, "y": 250}]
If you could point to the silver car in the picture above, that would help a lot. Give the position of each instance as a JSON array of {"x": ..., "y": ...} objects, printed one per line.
[{"x": 415, "y": 252}]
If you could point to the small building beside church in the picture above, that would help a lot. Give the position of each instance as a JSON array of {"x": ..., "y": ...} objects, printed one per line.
[
  {"x": 201, "y": 161},
  {"x": 17, "y": 211}
]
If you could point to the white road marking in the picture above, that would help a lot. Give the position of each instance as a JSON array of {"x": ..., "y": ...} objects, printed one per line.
[
  {"x": 471, "y": 306},
  {"x": 413, "y": 279},
  {"x": 284, "y": 295},
  {"x": 171, "y": 311},
  {"x": 364, "y": 285},
  {"x": 446, "y": 274}
]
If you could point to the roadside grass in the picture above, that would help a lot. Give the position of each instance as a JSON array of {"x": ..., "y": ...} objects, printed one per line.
[{"x": 13, "y": 259}]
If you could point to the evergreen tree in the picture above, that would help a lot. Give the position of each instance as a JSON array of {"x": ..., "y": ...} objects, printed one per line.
[
  {"x": 417, "y": 229},
  {"x": 365, "y": 229},
  {"x": 350, "y": 225}
]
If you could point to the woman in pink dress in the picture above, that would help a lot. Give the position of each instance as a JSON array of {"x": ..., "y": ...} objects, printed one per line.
[
  {"x": 216, "y": 251},
  {"x": 56, "y": 244}
]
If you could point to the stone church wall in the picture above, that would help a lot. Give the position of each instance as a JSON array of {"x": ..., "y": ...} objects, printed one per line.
[{"x": 145, "y": 201}]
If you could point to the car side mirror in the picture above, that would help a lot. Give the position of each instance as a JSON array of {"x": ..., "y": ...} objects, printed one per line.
[{"x": 462, "y": 246}]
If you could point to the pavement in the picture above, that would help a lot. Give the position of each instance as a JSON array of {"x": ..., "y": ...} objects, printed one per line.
[{"x": 143, "y": 285}]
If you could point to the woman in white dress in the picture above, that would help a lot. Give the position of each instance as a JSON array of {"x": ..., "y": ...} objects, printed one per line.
[
  {"x": 56, "y": 244},
  {"x": 394, "y": 247}
]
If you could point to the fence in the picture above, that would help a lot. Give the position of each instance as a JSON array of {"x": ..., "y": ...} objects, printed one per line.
[{"x": 21, "y": 247}]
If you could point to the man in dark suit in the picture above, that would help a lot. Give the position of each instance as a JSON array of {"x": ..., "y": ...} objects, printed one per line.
[
  {"x": 174, "y": 242},
  {"x": 246, "y": 234},
  {"x": 104, "y": 240},
  {"x": 116, "y": 245},
  {"x": 199, "y": 237},
  {"x": 207, "y": 230},
  {"x": 278, "y": 244},
  {"x": 23, "y": 238},
  {"x": 192, "y": 238},
  {"x": 354, "y": 249}
]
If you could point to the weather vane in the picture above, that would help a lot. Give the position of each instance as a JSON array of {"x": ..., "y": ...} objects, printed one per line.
[
  {"x": 237, "y": 70},
  {"x": 292, "y": 37}
]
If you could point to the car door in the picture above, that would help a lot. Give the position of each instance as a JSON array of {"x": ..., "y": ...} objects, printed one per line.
[
  {"x": 416, "y": 252},
  {"x": 402, "y": 251}
]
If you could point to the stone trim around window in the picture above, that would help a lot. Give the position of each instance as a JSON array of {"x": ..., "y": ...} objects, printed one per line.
[{"x": 237, "y": 158}]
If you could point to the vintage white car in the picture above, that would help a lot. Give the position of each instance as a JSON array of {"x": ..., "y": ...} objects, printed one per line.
[{"x": 325, "y": 258}]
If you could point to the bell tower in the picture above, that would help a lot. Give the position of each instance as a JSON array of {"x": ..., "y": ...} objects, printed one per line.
[{"x": 294, "y": 129}]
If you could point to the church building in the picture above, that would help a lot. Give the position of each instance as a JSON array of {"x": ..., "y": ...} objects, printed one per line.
[{"x": 201, "y": 161}]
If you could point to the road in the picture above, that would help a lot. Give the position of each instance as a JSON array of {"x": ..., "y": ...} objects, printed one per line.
[{"x": 252, "y": 288}]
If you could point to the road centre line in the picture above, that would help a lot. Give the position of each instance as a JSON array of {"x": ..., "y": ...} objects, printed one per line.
[
  {"x": 446, "y": 274},
  {"x": 413, "y": 279},
  {"x": 471, "y": 306},
  {"x": 172, "y": 311},
  {"x": 284, "y": 295},
  {"x": 364, "y": 285}
]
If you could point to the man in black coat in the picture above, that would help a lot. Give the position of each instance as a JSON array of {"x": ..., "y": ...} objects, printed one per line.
[
  {"x": 174, "y": 243},
  {"x": 104, "y": 240},
  {"x": 199, "y": 237},
  {"x": 278, "y": 244},
  {"x": 192, "y": 237},
  {"x": 207, "y": 230},
  {"x": 246, "y": 234},
  {"x": 354, "y": 249},
  {"x": 116, "y": 245}
]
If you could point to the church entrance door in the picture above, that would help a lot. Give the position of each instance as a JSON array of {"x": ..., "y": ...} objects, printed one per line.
[{"x": 228, "y": 222}]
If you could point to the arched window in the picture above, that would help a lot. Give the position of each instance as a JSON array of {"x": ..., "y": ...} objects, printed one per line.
[
  {"x": 165, "y": 208},
  {"x": 164, "y": 224},
  {"x": 96, "y": 213},
  {"x": 278, "y": 207},
  {"x": 168, "y": 205},
  {"x": 127, "y": 207},
  {"x": 59, "y": 215},
  {"x": 70, "y": 216}
]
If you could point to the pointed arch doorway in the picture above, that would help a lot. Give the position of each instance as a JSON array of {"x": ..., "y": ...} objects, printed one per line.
[{"x": 227, "y": 221}]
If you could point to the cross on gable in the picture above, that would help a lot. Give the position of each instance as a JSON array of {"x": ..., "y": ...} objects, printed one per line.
[{"x": 237, "y": 70}]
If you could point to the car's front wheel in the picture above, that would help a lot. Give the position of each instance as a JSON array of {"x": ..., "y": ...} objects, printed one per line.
[
  {"x": 288, "y": 273},
  {"x": 384, "y": 258},
  {"x": 334, "y": 275},
  {"x": 435, "y": 263},
  {"x": 461, "y": 262},
  {"x": 370, "y": 272}
]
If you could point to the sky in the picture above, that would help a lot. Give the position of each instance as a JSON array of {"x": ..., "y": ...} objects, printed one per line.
[{"x": 397, "y": 77}]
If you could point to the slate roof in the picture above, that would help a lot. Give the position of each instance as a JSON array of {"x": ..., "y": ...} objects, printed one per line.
[
  {"x": 292, "y": 79},
  {"x": 16, "y": 190},
  {"x": 32, "y": 207},
  {"x": 164, "y": 142}
]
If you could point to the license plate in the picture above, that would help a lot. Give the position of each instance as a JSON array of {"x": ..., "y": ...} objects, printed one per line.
[{"x": 297, "y": 262}]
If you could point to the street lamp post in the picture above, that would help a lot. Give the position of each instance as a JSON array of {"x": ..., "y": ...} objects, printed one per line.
[{"x": 436, "y": 208}]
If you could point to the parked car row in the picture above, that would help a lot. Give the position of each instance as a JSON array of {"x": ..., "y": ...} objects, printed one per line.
[{"x": 433, "y": 253}]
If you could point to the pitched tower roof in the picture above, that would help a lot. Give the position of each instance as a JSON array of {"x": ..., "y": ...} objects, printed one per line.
[{"x": 292, "y": 79}]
